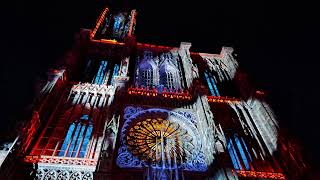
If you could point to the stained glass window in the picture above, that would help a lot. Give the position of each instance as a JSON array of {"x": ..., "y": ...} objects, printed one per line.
[
  {"x": 85, "y": 141},
  {"x": 242, "y": 153},
  {"x": 170, "y": 81},
  {"x": 77, "y": 138},
  {"x": 99, "y": 79},
  {"x": 159, "y": 141},
  {"x": 147, "y": 76},
  {"x": 67, "y": 139},
  {"x": 117, "y": 21},
  {"x": 233, "y": 155},
  {"x": 115, "y": 72},
  {"x": 239, "y": 154},
  {"x": 211, "y": 84}
]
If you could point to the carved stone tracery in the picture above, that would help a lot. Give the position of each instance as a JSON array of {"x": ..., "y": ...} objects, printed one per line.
[
  {"x": 182, "y": 124},
  {"x": 54, "y": 174}
]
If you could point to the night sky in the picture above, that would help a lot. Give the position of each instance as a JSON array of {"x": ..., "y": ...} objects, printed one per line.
[{"x": 276, "y": 42}]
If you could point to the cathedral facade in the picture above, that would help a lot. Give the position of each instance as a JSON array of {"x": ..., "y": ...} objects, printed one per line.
[{"x": 114, "y": 108}]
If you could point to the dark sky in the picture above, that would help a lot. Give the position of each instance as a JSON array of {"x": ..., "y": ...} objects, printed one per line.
[{"x": 276, "y": 43}]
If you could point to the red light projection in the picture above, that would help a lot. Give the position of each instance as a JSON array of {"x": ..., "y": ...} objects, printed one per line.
[
  {"x": 257, "y": 174},
  {"x": 222, "y": 99},
  {"x": 30, "y": 130},
  {"x": 99, "y": 21}
]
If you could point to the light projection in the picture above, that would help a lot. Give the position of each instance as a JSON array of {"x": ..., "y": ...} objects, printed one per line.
[
  {"x": 159, "y": 141},
  {"x": 158, "y": 70},
  {"x": 147, "y": 75},
  {"x": 114, "y": 25},
  {"x": 233, "y": 155},
  {"x": 242, "y": 153},
  {"x": 211, "y": 84},
  {"x": 160, "y": 138},
  {"x": 153, "y": 119},
  {"x": 77, "y": 138},
  {"x": 115, "y": 73},
  {"x": 100, "y": 77}
]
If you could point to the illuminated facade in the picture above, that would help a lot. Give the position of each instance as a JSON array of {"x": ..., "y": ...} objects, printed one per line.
[{"x": 118, "y": 109}]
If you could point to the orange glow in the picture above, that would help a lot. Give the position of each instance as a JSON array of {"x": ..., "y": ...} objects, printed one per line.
[
  {"x": 99, "y": 21},
  {"x": 142, "y": 91},
  {"x": 154, "y": 92},
  {"x": 132, "y": 21},
  {"x": 176, "y": 95},
  {"x": 107, "y": 41},
  {"x": 222, "y": 99},
  {"x": 257, "y": 174}
]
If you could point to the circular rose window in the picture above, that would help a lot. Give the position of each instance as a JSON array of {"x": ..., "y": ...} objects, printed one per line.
[{"x": 159, "y": 141}]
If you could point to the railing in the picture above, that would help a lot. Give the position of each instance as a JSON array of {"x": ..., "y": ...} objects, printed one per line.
[
  {"x": 171, "y": 94},
  {"x": 61, "y": 160}
]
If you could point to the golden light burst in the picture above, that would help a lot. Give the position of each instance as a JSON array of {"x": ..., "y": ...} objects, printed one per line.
[{"x": 158, "y": 140}]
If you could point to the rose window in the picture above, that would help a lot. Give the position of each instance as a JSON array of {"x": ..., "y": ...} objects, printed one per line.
[{"x": 159, "y": 141}]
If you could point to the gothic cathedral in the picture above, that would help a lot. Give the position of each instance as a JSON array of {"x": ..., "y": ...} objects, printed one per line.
[{"x": 114, "y": 108}]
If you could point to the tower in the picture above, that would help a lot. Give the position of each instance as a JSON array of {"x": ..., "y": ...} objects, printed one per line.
[{"x": 119, "y": 109}]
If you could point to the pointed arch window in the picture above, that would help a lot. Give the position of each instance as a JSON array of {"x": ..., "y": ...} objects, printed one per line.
[
  {"x": 233, "y": 154},
  {"x": 115, "y": 73},
  {"x": 147, "y": 76},
  {"x": 239, "y": 153},
  {"x": 77, "y": 138},
  {"x": 211, "y": 84},
  {"x": 101, "y": 74},
  {"x": 170, "y": 81},
  {"x": 117, "y": 21}
]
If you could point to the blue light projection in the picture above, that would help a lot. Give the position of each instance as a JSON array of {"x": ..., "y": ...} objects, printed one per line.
[
  {"x": 116, "y": 25},
  {"x": 212, "y": 84},
  {"x": 245, "y": 146},
  {"x": 234, "y": 156},
  {"x": 66, "y": 140},
  {"x": 77, "y": 138},
  {"x": 99, "y": 79},
  {"x": 244, "y": 158},
  {"x": 209, "y": 84},
  {"x": 243, "y": 153},
  {"x": 186, "y": 120},
  {"x": 86, "y": 141},
  {"x": 115, "y": 73},
  {"x": 78, "y": 141}
]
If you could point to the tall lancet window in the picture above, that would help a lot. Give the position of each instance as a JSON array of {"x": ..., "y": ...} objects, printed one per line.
[
  {"x": 169, "y": 76},
  {"x": 147, "y": 71},
  {"x": 170, "y": 81},
  {"x": 101, "y": 74},
  {"x": 115, "y": 73},
  {"x": 239, "y": 153},
  {"x": 77, "y": 138},
  {"x": 234, "y": 156},
  {"x": 211, "y": 84},
  {"x": 147, "y": 76},
  {"x": 117, "y": 22}
]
